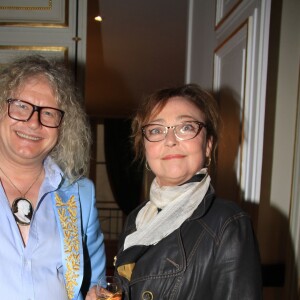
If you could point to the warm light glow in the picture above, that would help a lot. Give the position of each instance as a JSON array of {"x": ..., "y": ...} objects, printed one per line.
[{"x": 98, "y": 18}]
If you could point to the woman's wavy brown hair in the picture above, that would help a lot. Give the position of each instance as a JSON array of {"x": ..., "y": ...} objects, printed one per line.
[
  {"x": 72, "y": 151},
  {"x": 154, "y": 103}
]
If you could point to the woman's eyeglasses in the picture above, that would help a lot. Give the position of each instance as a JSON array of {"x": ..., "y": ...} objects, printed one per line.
[
  {"x": 22, "y": 111},
  {"x": 184, "y": 131}
]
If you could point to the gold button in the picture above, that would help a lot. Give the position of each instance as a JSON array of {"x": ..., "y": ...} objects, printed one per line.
[{"x": 147, "y": 296}]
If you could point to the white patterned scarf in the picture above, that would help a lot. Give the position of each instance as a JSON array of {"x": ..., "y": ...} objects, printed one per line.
[{"x": 168, "y": 208}]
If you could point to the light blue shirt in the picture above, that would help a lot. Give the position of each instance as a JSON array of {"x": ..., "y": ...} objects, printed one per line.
[{"x": 34, "y": 271}]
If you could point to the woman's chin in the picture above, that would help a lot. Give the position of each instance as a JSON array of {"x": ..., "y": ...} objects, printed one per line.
[{"x": 173, "y": 179}]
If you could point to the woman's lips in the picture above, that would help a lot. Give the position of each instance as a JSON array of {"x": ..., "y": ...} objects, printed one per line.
[{"x": 173, "y": 156}]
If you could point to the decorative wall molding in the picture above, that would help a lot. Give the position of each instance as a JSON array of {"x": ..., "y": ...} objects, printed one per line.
[
  {"x": 8, "y": 53},
  {"x": 241, "y": 56},
  {"x": 224, "y": 9},
  {"x": 57, "y": 29},
  {"x": 237, "y": 15},
  {"x": 230, "y": 65},
  {"x": 36, "y": 13}
]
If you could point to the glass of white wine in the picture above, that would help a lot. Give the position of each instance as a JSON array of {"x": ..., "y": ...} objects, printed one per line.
[{"x": 109, "y": 288}]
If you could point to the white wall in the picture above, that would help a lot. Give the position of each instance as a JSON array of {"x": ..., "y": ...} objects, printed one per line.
[
  {"x": 286, "y": 106},
  {"x": 284, "y": 193}
]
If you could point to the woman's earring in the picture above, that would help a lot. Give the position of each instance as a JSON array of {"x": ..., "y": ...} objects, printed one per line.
[
  {"x": 147, "y": 166},
  {"x": 208, "y": 161}
]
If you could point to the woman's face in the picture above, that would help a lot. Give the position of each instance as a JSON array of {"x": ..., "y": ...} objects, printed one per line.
[
  {"x": 29, "y": 142},
  {"x": 174, "y": 161}
]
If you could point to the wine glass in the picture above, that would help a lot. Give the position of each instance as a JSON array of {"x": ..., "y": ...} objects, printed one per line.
[{"x": 109, "y": 288}]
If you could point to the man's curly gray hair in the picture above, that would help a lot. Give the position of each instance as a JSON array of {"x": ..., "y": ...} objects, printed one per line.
[{"x": 72, "y": 151}]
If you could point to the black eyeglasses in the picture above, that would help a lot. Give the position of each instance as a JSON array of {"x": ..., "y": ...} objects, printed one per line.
[
  {"x": 22, "y": 111},
  {"x": 184, "y": 131}
]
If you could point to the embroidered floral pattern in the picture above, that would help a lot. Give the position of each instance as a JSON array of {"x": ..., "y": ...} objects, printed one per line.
[{"x": 67, "y": 212}]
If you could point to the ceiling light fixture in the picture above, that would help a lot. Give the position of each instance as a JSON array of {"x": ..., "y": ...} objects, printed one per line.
[{"x": 98, "y": 18}]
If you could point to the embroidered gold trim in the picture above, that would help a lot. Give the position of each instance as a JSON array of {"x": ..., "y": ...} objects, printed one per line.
[{"x": 67, "y": 212}]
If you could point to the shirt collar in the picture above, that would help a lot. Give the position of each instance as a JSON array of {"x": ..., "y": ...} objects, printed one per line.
[{"x": 53, "y": 174}]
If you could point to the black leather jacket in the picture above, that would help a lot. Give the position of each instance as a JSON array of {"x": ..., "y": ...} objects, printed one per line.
[{"x": 213, "y": 255}]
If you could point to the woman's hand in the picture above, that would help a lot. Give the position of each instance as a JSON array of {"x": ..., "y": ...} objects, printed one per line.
[{"x": 91, "y": 295}]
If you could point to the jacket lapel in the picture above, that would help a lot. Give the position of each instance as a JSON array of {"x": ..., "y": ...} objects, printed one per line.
[
  {"x": 67, "y": 211},
  {"x": 125, "y": 261}
]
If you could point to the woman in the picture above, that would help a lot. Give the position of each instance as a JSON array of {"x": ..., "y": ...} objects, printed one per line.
[
  {"x": 185, "y": 242},
  {"x": 58, "y": 251}
]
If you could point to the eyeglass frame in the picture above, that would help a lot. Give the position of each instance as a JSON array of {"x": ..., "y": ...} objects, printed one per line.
[
  {"x": 201, "y": 125},
  {"x": 36, "y": 108}
]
